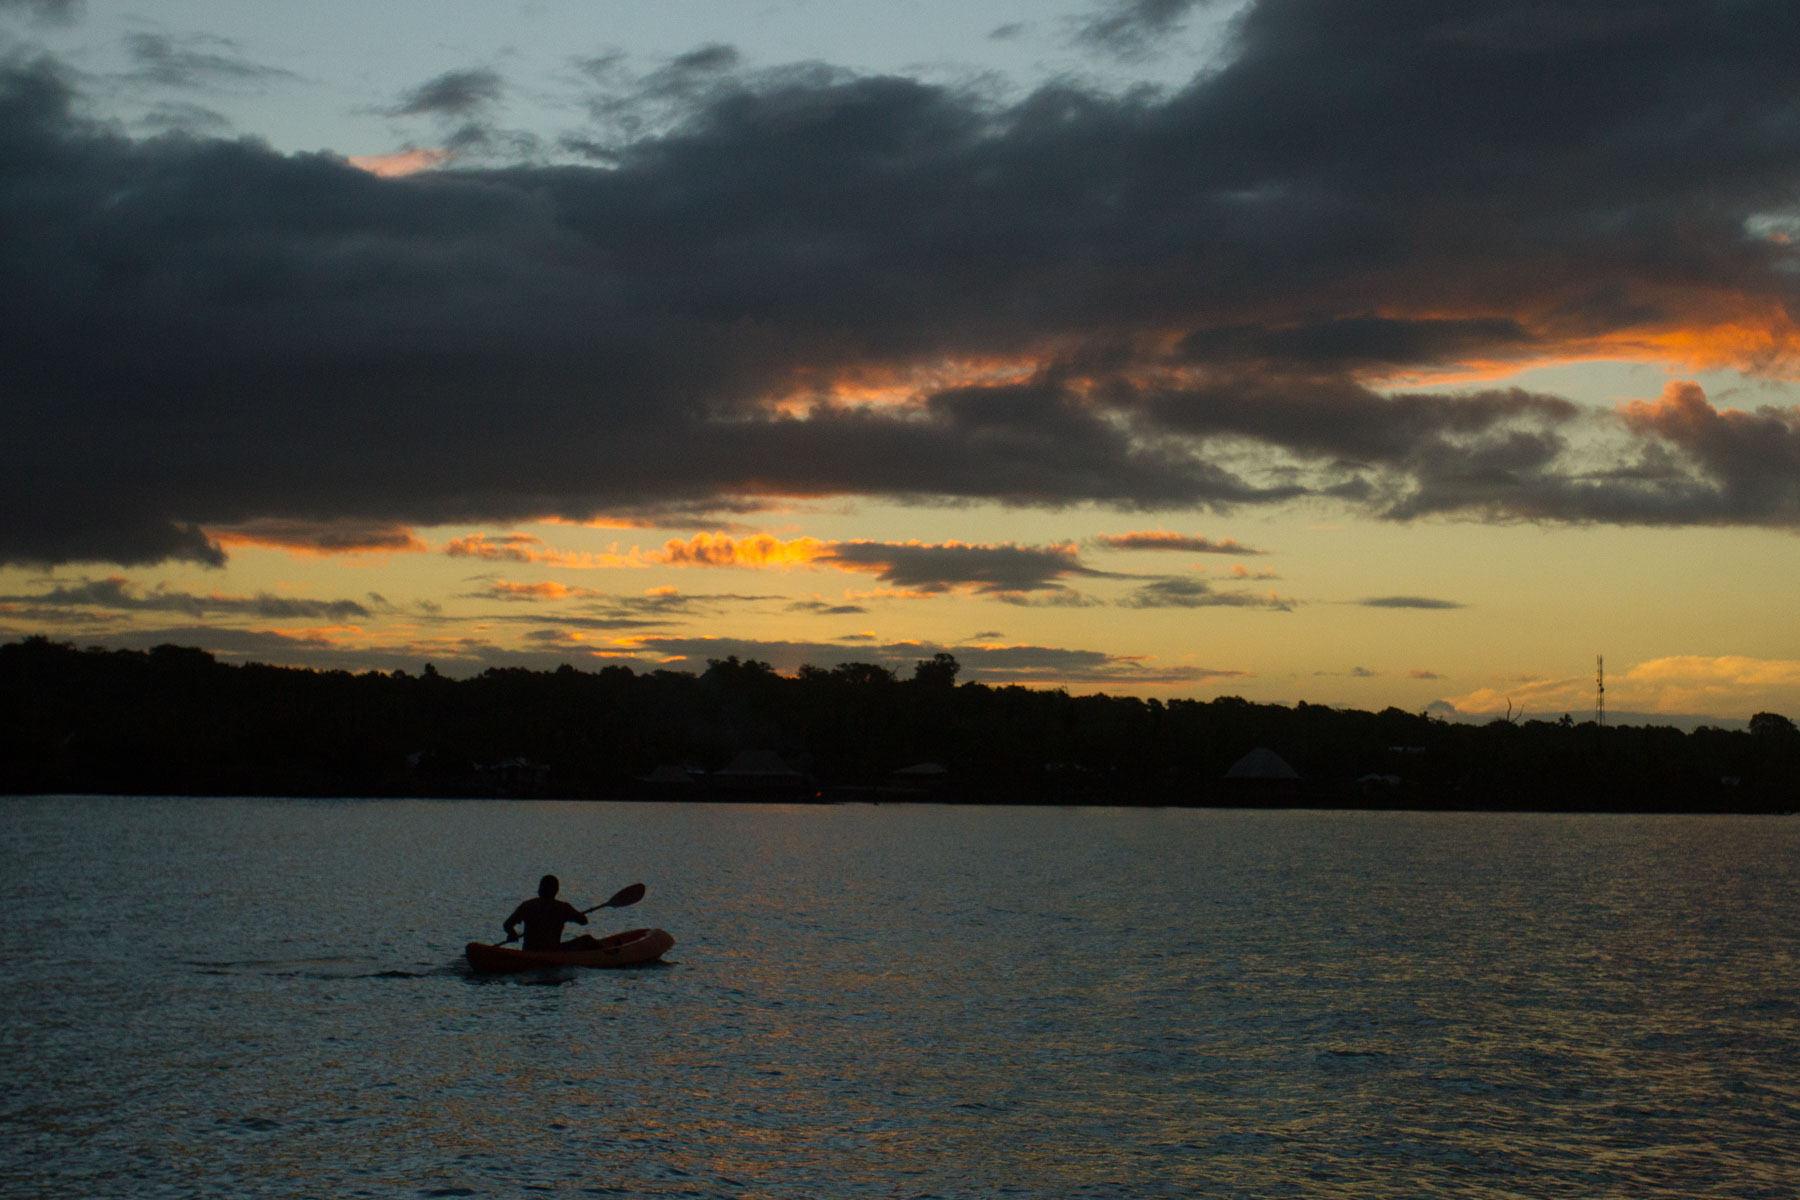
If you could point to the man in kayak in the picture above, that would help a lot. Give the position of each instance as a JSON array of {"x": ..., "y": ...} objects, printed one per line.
[{"x": 544, "y": 917}]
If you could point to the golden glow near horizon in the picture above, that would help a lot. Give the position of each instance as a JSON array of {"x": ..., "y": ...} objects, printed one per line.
[
  {"x": 1381, "y": 613},
  {"x": 1303, "y": 602}
]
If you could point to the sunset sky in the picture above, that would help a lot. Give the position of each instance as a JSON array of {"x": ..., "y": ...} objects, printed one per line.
[{"x": 1357, "y": 352}]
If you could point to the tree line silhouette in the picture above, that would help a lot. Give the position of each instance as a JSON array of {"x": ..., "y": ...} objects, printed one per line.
[{"x": 174, "y": 720}]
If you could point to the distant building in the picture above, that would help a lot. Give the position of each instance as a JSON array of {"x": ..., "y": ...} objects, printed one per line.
[
  {"x": 1261, "y": 763},
  {"x": 763, "y": 773},
  {"x": 1262, "y": 778}
]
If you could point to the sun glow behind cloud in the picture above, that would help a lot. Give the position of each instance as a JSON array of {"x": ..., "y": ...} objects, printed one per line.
[{"x": 400, "y": 163}]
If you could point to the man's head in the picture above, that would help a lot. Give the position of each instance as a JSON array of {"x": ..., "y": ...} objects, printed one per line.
[{"x": 547, "y": 887}]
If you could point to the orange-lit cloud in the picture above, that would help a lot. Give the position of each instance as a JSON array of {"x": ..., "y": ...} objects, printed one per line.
[
  {"x": 403, "y": 162},
  {"x": 509, "y": 547},
  {"x": 524, "y": 548},
  {"x": 1730, "y": 684},
  {"x": 502, "y": 590},
  {"x": 913, "y": 569},
  {"x": 1683, "y": 415},
  {"x": 724, "y": 550},
  {"x": 894, "y": 385},
  {"x": 1721, "y": 685},
  {"x": 1748, "y": 333},
  {"x": 320, "y": 538},
  {"x": 1568, "y": 694},
  {"x": 701, "y": 550},
  {"x": 1705, "y": 329},
  {"x": 1681, "y": 408},
  {"x": 662, "y": 519}
]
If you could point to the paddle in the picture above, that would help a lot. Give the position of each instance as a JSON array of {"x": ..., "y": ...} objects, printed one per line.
[{"x": 623, "y": 898}]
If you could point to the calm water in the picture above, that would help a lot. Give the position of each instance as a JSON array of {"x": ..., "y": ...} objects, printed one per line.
[{"x": 265, "y": 998}]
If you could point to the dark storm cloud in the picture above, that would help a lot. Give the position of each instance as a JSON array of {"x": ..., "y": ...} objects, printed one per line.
[
  {"x": 197, "y": 61},
  {"x": 1507, "y": 455},
  {"x": 1191, "y": 297},
  {"x": 941, "y": 568},
  {"x": 1752, "y": 457},
  {"x": 1409, "y": 602},
  {"x": 1339, "y": 419},
  {"x": 1184, "y": 592},
  {"x": 119, "y": 595},
  {"x": 1360, "y": 342},
  {"x": 452, "y": 94},
  {"x": 1681, "y": 461}
]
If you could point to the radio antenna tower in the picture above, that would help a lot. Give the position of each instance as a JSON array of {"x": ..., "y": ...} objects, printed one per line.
[{"x": 1600, "y": 689}]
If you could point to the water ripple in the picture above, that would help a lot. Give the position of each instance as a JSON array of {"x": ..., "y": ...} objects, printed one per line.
[{"x": 900, "y": 1002}]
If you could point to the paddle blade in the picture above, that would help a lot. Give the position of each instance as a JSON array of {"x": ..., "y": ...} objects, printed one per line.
[
  {"x": 622, "y": 898},
  {"x": 626, "y": 896}
]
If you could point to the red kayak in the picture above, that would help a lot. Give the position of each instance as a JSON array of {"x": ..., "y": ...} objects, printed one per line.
[{"x": 628, "y": 949}]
